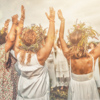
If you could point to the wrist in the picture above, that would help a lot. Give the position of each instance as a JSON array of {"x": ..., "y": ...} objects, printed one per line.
[
  {"x": 51, "y": 20},
  {"x": 15, "y": 23},
  {"x": 22, "y": 18},
  {"x": 62, "y": 19}
]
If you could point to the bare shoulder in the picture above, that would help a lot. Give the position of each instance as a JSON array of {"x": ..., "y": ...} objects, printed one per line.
[{"x": 96, "y": 52}]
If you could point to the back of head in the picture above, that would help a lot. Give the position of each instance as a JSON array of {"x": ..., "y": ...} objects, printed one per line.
[
  {"x": 29, "y": 37},
  {"x": 31, "y": 41},
  {"x": 78, "y": 40}
]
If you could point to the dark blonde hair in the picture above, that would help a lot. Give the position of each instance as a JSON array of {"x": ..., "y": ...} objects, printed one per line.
[
  {"x": 22, "y": 56},
  {"x": 28, "y": 38},
  {"x": 76, "y": 51}
]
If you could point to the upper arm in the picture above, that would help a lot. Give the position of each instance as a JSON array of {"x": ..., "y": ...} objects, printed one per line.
[
  {"x": 64, "y": 47},
  {"x": 44, "y": 52},
  {"x": 8, "y": 45},
  {"x": 10, "y": 41}
]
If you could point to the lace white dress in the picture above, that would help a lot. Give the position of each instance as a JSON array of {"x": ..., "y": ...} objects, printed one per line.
[
  {"x": 34, "y": 80},
  {"x": 83, "y": 87}
]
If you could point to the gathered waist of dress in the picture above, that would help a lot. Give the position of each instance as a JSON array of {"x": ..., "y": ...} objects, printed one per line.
[{"x": 83, "y": 77}]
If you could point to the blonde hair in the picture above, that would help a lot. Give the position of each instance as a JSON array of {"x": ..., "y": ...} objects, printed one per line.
[
  {"x": 22, "y": 56},
  {"x": 29, "y": 37}
]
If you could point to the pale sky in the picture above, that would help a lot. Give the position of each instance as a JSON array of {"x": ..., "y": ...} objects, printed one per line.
[{"x": 87, "y": 11}]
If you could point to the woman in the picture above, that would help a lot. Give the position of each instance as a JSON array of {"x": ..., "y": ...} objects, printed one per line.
[
  {"x": 34, "y": 81},
  {"x": 62, "y": 71},
  {"x": 8, "y": 75},
  {"x": 82, "y": 84}
]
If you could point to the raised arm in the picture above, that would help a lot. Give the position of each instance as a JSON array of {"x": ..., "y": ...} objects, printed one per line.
[
  {"x": 6, "y": 25},
  {"x": 45, "y": 51},
  {"x": 19, "y": 30},
  {"x": 64, "y": 47},
  {"x": 5, "y": 28},
  {"x": 11, "y": 35}
]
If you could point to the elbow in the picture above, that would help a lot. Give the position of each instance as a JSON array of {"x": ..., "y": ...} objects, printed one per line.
[{"x": 11, "y": 38}]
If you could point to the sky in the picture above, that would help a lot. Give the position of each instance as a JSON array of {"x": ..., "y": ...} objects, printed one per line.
[{"x": 87, "y": 11}]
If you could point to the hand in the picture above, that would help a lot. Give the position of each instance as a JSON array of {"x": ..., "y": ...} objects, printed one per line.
[
  {"x": 60, "y": 16},
  {"x": 15, "y": 19},
  {"x": 22, "y": 13},
  {"x": 52, "y": 14},
  {"x": 6, "y": 23}
]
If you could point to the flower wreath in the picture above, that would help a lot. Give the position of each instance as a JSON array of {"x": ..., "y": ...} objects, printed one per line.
[
  {"x": 2, "y": 31},
  {"x": 40, "y": 34},
  {"x": 86, "y": 33}
]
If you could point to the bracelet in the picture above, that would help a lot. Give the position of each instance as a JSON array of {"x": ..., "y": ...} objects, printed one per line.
[{"x": 51, "y": 20}]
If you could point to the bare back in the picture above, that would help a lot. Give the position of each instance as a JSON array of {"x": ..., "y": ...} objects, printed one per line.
[{"x": 82, "y": 65}]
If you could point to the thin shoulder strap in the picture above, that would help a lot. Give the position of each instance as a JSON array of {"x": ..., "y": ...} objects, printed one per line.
[
  {"x": 70, "y": 68},
  {"x": 93, "y": 64}
]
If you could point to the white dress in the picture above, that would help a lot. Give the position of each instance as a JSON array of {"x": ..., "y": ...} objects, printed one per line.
[
  {"x": 34, "y": 80},
  {"x": 96, "y": 72},
  {"x": 50, "y": 63},
  {"x": 62, "y": 69},
  {"x": 83, "y": 87}
]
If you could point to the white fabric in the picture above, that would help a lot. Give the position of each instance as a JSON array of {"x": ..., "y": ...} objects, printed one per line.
[
  {"x": 34, "y": 80},
  {"x": 97, "y": 73},
  {"x": 62, "y": 69},
  {"x": 50, "y": 63},
  {"x": 83, "y": 87}
]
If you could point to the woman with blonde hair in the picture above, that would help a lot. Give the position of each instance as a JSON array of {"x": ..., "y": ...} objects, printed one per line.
[
  {"x": 31, "y": 55},
  {"x": 82, "y": 84}
]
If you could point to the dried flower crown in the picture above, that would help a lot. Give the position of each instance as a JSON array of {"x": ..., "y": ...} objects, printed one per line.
[
  {"x": 2, "y": 31},
  {"x": 40, "y": 34},
  {"x": 86, "y": 33}
]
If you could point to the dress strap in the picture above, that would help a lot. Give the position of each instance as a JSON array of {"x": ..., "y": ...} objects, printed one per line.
[
  {"x": 70, "y": 68},
  {"x": 93, "y": 65}
]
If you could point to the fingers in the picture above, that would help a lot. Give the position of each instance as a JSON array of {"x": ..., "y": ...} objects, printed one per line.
[
  {"x": 47, "y": 15},
  {"x": 22, "y": 11},
  {"x": 8, "y": 20},
  {"x": 52, "y": 11},
  {"x": 59, "y": 12},
  {"x": 22, "y": 8},
  {"x": 15, "y": 16}
]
